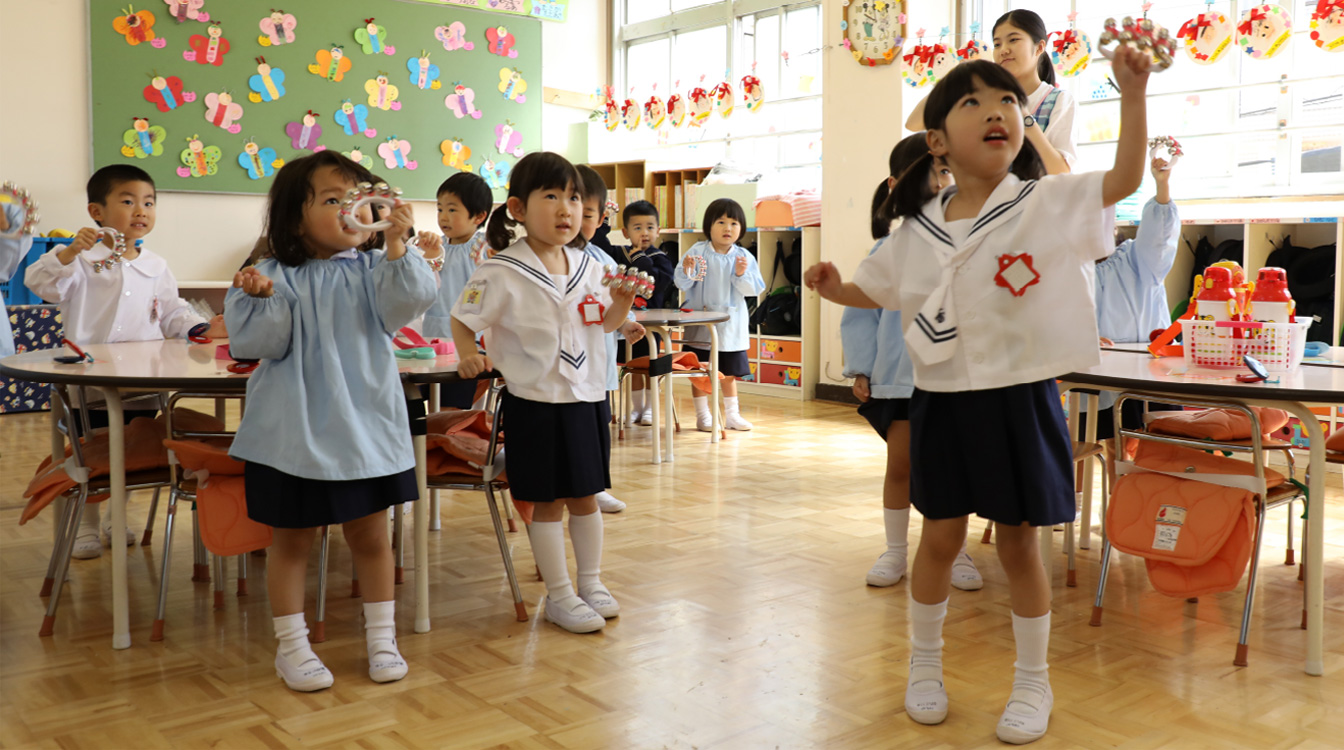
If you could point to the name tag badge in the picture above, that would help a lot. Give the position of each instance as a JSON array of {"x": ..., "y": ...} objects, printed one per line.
[
  {"x": 473, "y": 296},
  {"x": 591, "y": 311},
  {"x": 1016, "y": 273}
]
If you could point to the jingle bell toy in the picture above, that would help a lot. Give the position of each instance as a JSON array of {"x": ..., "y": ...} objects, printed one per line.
[
  {"x": 25, "y": 201},
  {"x": 628, "y": 280},
  {"x": 1143, "y": 34},
  {"x": 118, "y": 249},
  {"x": 367, "y": 194},
  {"x": 1271, "y": 302},
  {"x": 1173, "y": 146}
]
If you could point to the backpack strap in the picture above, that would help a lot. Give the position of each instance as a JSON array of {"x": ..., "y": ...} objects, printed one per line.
[{"x": 1046, "y": 108}]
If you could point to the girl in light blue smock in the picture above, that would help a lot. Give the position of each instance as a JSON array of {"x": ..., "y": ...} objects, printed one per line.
[{"x": 12, "y": 250}]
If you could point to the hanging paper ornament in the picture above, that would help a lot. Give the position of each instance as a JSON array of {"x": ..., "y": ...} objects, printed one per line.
[
  {"x": 723, "y": 99},
  {"x": 382, "y": 94},
  {"x": 358, "y": 157},
  {"x": 676, "y": 110},
  {"x": 277, "y": 29},
  {"x": 462, "y": 102},
  {"x": 1327, "y": 25},
  {"x": 353, "y": 118},
  {"x": 267, "y": 85},
  {"x": 259, "y": 162},
  {"x": 137, "y": 26},
  {"x": 700, "y": 106},
  {"x": 166, "y": 93},
  {"x": 454, "y": 37},
  {"x": 917, "y": 66},
  {"x": 200, "y": 160},
  {"x": 424, "y": 74},
  {"x": 501, "y": 41},
  {"x": 372, "y": 39},
  {"x": 496, "y": 174},
  {"x": 304, "y": 133},
  {"x": 512, "y": 85},
  {"x": 1264, "y": 31},
  {"x": 1070, "y": 52},
  {"x": 1207, "y": 36},
  {"x": 187, "y": 10},
  {"x": 332, "y": 64},
  {"x": 221, "y": 111},
  {"x": 396, "y": 152},
  {"x": 208, "y": 48},
  {"x": 455, "y": 154},
  {"x": 612, "y": 114},
  {"x": 973, "y": 50},
  {"x": 507, "y": 140},
  {"x": 655, "y": 112},
  {"x": 753, "y": 93},
  {"x": 143, "y": 140},
  {"x": 630, "y": 114}
]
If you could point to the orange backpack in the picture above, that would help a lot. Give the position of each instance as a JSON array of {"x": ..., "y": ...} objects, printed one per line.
[{"x": 221, "y": 500}]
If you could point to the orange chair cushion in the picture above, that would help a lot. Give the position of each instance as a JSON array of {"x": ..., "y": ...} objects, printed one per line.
[
  {"x": 1217, "y": 424},
  {"x": 221, "y": 506},
  {"x": 681, "y": 362},
  {"x": 212, "y": 456},
  {"x": 1176, "y": 459},
  {"x": 458, "y": 443},
  {"x": 1335, "y": 442}
]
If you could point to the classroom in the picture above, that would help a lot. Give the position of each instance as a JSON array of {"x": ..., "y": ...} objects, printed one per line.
[{"x": 587, "y": 358}]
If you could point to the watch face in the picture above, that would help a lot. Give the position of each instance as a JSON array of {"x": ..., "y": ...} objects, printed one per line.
[{"x": 1028, "y": 121}]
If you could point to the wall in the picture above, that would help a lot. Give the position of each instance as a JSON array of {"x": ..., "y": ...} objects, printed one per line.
[
  {"x": 861, "y": 121},
  {"x": 44, "y": 136}
]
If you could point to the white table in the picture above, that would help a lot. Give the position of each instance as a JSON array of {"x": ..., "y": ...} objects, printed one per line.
[
  {"x": 660, "y": 321},
  {"x": 1141, "y": 373}
]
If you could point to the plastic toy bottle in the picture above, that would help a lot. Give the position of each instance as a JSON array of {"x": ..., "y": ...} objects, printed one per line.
[
  {"x": 1271, "y": 302},
  {"x": 1217, "y": 300}
]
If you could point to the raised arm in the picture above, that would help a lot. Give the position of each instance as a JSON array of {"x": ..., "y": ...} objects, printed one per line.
[{"x": 1131, "y": 68}]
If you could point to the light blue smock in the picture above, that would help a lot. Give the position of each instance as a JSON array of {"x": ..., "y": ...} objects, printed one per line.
[
  {"x": 12, "y": 250},
  {"x": 613, "y": 339},
  {"x": 874, "y": 345},
  {"x": 722, "y": 290},
  {"x": 459, "y": 263}
]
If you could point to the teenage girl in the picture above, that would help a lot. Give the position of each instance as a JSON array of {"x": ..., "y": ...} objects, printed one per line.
[
  {"x": 1020, "y": 40},
  {"x": 884, "y": 378},
  {"x": 995, "y": 276},
  {"x": 542, "y": 299},
  {"x": 324, "y": 434}
]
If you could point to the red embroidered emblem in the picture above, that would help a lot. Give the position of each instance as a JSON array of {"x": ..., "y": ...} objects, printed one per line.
[
  {"x": 1016, "y": 273},
  {"x": 591, "y": 311}
]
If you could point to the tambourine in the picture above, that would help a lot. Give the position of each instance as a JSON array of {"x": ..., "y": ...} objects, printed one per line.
[
  {"x": 1173, "y": 146},
  {"x": 699, "y": 269},
  {"x": 29, "y": 206},
  {"x": 1142, "y": 34},
  {"x": 118, "y": 250},
  {"x": 628, "y": 280},
  {"x": 365, "y": 194}
]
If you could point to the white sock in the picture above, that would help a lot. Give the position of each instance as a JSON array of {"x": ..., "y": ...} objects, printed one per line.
[
  {"x": 729, "y": 405},
  {"x": 926, "y": 634},
  {"x": 701, "y": 407},
  {"x": 380, "y": 622},
  {"x": 898, "y": 529},
  {"x": 292, "y": 633},
  {"x": 88, "y": 521},
  {"x": 548, "y": 550},
  {"x": 1033, "y": 641},
  {"x": 637, "y": 400},
  {"x": 585, "y": 533}
]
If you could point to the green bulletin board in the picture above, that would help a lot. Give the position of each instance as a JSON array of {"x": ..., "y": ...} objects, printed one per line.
[{"x": 485, "y": 128}]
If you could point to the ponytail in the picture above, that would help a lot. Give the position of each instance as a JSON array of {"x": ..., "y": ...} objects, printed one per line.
[
  {"x": 499, "y": 229},
  {"x": 1046, "y": 69},
  {"x": 881, "y": 223},
  {"x": 912, "y": 189}
]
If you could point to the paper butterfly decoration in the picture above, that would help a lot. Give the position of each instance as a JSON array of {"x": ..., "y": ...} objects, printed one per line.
[
  {"x": 267, "y": 85},
  {"x": 507, "y": 140},
  {"x": 167, "y": 94},
  {"x": 753, "y": 93},
  {"x": 655, "y": 112},
  {"x": 701, "y": 106},
  {"x": 372, "y": 39},
  {"x": 358, "y": 157},
  {"x": 455, "y": 154},
  {"x": 454, "y": 37},
  {"x": 512, "y": 85},
  {"x": 461, "y": 102},
  {"x": 304, "y": 133},
  {"x": 277, "y": 29},
  {"x": 676, "y": 110},
  {"x": 723, "y": 99},
  {"x": 395, "y": 152},
  {"x": 187, "y": 10},
  {"x": 496, "y": 174},
  {"x": 353, "y": 118},
  {"x": 143, "y": 140},
  {"x": 200, "y": 159},
  {"x": 221, "y": 111},
  {"x": 424, "y": 74},
  {"x": 259, "y": 162},
  {"x": 136, "y": 26},
  {"x": 208, "y": 48},
  {"x": 501, "y": 41},
  {"x": 630, "y": 114},
  {"x": 332, "y": 64},
  {"x": 382, "y": 94}
]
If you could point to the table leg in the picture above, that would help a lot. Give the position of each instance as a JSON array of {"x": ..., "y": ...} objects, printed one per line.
[
  {"x": 434, "y": 406},
  {"x": 57, "y": 458},
  {"x": 653, "y": 386},
  {"x": 116, "y": 437},
  {"x": 1315, "y": 550},
  {"x": 421, "y": 527},
  {"x": 1085, "y": 521},
  {"x": 714, "y": 383}
]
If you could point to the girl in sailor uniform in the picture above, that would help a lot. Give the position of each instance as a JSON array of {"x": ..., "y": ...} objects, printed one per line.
[
  {"x": 997, "y": 309},
  {"x": 548, "y": 314}
]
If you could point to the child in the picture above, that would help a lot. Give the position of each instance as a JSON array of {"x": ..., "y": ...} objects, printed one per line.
[
  {"x": 464, "y": 205},
  {"x": 134, "y": 300},
  {"x": 875, "y": 357},
  {"x": 730, "y": 275},
  {"x": 997, "y": 271},
  {"x": 641, "y": 228},
  {"x": 324, "y": 434},
  {"x": 12, "y": 250},
  {"x": 594, "y": 205},
  {"x": 542, "y": 299}
]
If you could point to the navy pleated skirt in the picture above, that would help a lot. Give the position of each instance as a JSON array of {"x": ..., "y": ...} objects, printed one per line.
[
  {"x": 1003, "y": 454},
  {"x": 881, "y": 412},
  {"x": 285, "y": 501},
  {"x": 556, "y": 450}
]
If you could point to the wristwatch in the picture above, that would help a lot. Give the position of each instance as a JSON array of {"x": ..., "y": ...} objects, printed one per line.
[{"x": 1028, "y": 121}]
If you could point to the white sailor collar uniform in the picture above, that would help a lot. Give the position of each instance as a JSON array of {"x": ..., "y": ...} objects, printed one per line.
[
  {"x": 1005, "y": 298},
  {"x": 536, "y": 335}
]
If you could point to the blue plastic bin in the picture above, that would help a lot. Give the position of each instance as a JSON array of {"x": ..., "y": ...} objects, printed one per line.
[{"x": 14, "y": 290}]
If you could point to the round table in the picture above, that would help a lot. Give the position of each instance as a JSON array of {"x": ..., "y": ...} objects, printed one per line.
[{"x": 659, "y": 321}]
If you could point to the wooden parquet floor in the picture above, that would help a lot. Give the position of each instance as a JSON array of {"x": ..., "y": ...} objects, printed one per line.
[{"x": 745, "y": 624}]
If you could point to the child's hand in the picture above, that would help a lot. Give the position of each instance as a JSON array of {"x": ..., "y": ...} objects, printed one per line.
[
  {"x": 217, "y": 329},
  {"x": 403, "y": 219},
  {"x": 824, "y": 278},
  {"x": 1106, "y": 342},
  {"x": 622, "y": 298},
  {"x": 474, "y": 364},
  {"x": 430, "y": 243},
  {"x": 688, "y": 264},
  {"x": 253, "y": 283},
  {"x": 86, "y": 239},
  {"x": 1131, "y": 68},
  {"x": 740, "y": 266},
  {"x": 1161, "y": 170},
  {"x": 861, "y": 389},
  {"x": 632, "y": 331}
]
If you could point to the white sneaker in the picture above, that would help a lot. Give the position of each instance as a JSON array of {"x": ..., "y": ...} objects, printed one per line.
[
  {"x": 1027, "y": 715},
  {"x": 646, "y": 417},
  {"x": 888, "y": 570},
  {"x": 305, "y": 678},
  {"x": 965, "y": 575},
  {"x": 736, "y": 422},
  {"x": 601, "y": 601},
  {"x": 576, "y": 618},
  {"x": 87, "y": 544},
  {"x": 704, "y": 423},
  {"x": 925, "y": 696},
  {"x": 635, "y": 417},
  {"x": 385, "y": 661},
  {"x": 608, "y": 504},
  {"x": 107, "y": 536}
]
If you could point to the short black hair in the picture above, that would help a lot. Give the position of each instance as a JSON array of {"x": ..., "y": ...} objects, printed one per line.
[
  {"x": 637, "y": 209},
  {"x": 472, "y": 190},
  {"x": 292, "y": 190},
  {"x": 104, "y": 180},
  {"x": 724, "y": 207},
  {"x": 593, "y": 185}
]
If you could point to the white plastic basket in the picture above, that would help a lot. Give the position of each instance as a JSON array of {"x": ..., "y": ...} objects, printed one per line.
[{"x": 1277, "y": 346}]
